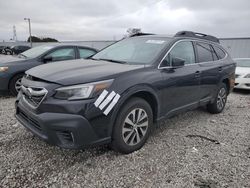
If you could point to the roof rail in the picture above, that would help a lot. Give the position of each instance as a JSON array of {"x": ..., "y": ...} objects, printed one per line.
[{"x": 197, "y": 35}]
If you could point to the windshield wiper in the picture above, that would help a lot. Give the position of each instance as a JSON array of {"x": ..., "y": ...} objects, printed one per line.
[{"x": 112, "y": 60}]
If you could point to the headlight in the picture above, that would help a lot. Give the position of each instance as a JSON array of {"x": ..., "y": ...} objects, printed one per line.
[
  {"x": 247, "y": 76},
  {"x": 3, "y": 69},
  {"x": 82, "y": 91}
]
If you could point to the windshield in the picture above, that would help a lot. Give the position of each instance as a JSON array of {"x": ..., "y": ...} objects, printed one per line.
[
  {"x": 138, "y": 50},
  {"x": 36, "y": 51},
  {"x": 243, "y": 62}
]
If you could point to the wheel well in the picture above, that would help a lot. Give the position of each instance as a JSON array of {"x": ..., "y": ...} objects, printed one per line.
[
  {"x": 150, "y": 98},
  {"x": 227, "y": 82},
  {"x": 20, "y": 73}
]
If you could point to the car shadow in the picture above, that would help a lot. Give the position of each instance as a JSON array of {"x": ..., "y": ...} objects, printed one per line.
[
  {"x": 242, "y": 91},
  {"x": 5, "y": 95}
]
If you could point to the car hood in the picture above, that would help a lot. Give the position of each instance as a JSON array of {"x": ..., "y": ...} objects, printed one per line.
[
  {"x": 6, "y": 59},
  {"x": 242, "y": 70},
  {"x": 79, "y": 71}
]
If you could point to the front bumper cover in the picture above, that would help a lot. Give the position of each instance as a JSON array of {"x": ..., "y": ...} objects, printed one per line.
[
  {"x": 64, "y": 130},
  {"x": 242, "y": 83}
]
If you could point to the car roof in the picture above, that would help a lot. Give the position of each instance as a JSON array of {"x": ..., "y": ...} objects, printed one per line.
[
  {"x": 68, "y": 44},
  {"x": 20, "y": 45},
  {"x": 154, "y": 36}
]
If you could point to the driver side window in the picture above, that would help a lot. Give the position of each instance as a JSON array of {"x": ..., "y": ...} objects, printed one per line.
[
  {"x": 62, "y": 54},
  {"x": 182, "y": 50}
]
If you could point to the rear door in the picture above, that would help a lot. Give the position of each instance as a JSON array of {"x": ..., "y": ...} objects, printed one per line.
[
  {"x": 210, "y": 67},
  {"x": 181, "y": 85}
]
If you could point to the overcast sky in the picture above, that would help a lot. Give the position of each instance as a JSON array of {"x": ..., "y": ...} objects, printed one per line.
[{"x": 109, "y": 19}]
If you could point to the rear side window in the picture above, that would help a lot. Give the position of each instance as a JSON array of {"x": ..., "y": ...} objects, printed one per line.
[
  {"x": 215, "y": 56},
  {"x": 205, "y": 53},
  {"x": 220, "y": 53},
  {"x": 85, "y": 53}
]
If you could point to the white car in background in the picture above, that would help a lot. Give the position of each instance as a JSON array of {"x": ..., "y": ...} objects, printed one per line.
[{"x": 242, "y": 73}]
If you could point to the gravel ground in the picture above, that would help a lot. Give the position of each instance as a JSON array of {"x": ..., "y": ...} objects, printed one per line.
[{"x": 194, "y": 149}]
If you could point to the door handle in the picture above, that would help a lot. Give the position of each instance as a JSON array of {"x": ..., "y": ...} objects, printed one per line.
[
  {"x": 220, "y": 69},
  {"x": 197, "y": 74}
]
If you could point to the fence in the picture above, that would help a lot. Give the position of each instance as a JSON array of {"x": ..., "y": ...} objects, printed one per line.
[{"x": 94, "y": 44}]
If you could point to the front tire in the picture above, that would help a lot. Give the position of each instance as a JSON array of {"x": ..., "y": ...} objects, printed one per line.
[
  {"x": 8, "y": 53},
  {"x": 15, "y": 84},
  {"x": 220, "y": 101},
  {"x": 133, "y": 126}
]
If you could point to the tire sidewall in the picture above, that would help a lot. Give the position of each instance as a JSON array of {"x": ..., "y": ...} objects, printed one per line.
[
  {"x": 222, "y": 85},
  {"x": 213, "y": 107},
  {"x": 117, "y": 137},
  {"x": 12, "y": 84}
]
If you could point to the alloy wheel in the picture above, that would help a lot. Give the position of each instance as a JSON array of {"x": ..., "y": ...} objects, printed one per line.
[
  {"x": 135, "y": 126},
  {"x": 221, "y": 98},
  {"x": 18, "y": 85}
]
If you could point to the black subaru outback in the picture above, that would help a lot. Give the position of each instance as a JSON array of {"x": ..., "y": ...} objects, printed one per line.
[{"x": 116, "y": 96}]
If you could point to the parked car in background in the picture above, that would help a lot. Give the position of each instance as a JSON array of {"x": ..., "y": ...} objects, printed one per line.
[
  {"x": 242, "y": 73},
  {"x": 1, "y": 49},
  {"x": 115, "y": 96},
  {"x": 12, "y": 68},
  {"x": 6, "y": 50},
  {"x": 15, "y": 50}
]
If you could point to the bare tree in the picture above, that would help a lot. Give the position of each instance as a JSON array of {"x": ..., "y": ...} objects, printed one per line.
[{"x": 132, "y": 31}]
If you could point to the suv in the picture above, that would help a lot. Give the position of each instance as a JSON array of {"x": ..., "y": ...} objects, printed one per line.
[
  {"x": 14, "y": 50},
  {"x": 18, "y": 49},
  {"x": 117, "y": 95}
]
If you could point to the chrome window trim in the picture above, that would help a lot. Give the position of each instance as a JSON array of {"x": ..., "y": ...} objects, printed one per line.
[{"x": 191, "y": 40}]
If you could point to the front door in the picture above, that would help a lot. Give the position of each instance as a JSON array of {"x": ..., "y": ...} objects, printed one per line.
[{"x": 182, "y": 84}]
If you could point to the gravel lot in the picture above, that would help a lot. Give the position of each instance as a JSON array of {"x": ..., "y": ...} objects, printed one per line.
[{"x": 194, "y": 149}]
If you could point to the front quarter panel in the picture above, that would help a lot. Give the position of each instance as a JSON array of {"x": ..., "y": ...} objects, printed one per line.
[
  {"x": 143, "y": 80},
  {"x": 14, "y": 69}
]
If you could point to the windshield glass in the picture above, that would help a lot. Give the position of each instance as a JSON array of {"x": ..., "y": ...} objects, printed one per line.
[
  {"x": 243, "y": 62},
  {"x": 138, "y": 50},
  {"x": 36, "y": 51}
]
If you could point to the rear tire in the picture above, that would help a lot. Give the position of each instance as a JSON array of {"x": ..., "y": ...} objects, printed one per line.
[
  {"x": 133, "y": 126},
  {"x": 8, "y": 53},
  {"x": 15, "y": 84},
  {"x": 220, "y": 100}
]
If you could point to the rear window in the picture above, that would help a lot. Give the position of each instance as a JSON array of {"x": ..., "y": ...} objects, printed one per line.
[
  {"x": 205, "y": 53},
  {"x": 220, "y": 53}
]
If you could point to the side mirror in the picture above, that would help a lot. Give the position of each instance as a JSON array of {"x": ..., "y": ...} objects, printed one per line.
[
  {"x": 47, "y": 59},
  {"x": 178, "y": 62}
]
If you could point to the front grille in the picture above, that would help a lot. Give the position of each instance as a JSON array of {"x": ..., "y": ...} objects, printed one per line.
[
  {"x": 34, "y": 96},
  {"x": 66, "y": 137},
  {"x": 30, "y": 120}
]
